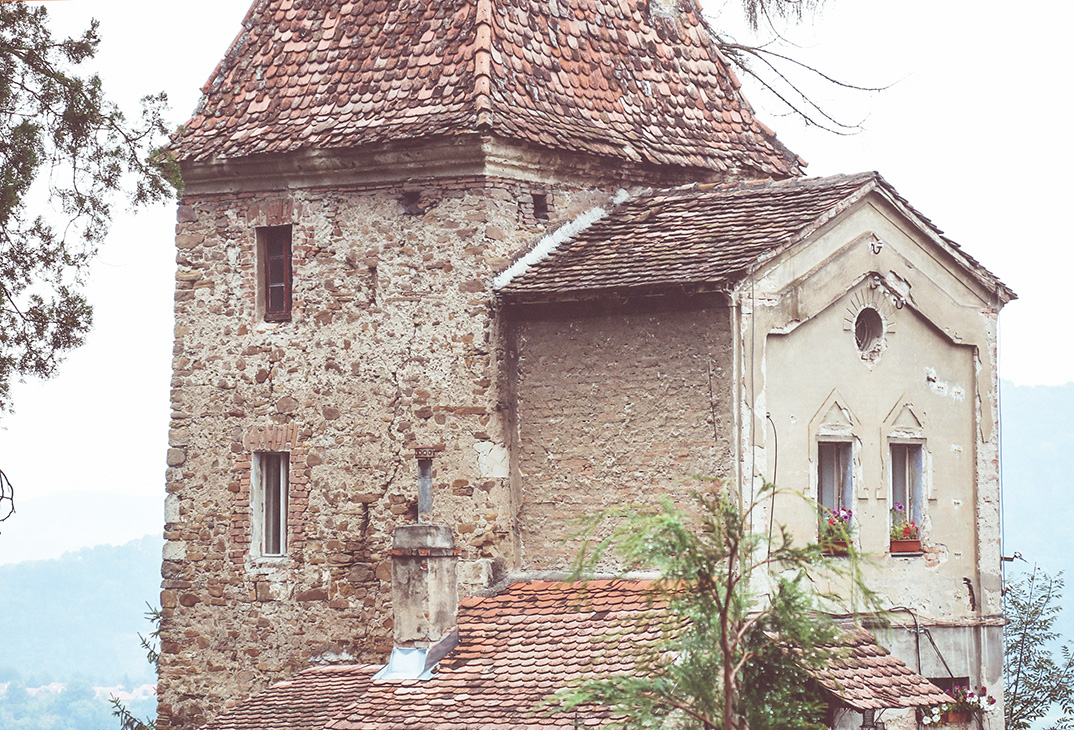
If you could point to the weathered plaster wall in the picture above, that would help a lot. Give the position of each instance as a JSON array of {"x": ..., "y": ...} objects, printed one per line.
[
  {"x": 920, "y": 378},
  {"x": 933, "y": 383},
  {"x": 392, "y": 344},
  {"x": 613, "y": 409}
]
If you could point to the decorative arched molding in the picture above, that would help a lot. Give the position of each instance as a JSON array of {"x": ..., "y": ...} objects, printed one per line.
[{"x": 271, "y": 437}]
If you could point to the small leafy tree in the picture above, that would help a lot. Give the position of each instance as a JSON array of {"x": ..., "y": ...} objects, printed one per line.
[
  {"x": 1038, "y": 681},
  {"x": 743, "y": 621}
]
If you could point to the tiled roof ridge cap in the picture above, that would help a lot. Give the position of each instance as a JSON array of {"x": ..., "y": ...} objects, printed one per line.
[
  {"x": 482, "y": 60},
  {"x": 752, "y": 184},
  {"x": 550, "y": 242}
]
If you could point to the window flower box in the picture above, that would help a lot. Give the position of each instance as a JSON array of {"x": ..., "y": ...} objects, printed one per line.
[
  {"x": 953, "y": 716},
  {"x": 902, "y": 545}
]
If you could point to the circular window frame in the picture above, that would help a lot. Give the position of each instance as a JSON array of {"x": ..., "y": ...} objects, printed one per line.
[
  {"x": 867, "y": 297},
  {"x": 869, "y": 329}
]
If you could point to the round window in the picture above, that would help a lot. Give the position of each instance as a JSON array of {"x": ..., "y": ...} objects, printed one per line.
[{"x": 868, "y": 330}]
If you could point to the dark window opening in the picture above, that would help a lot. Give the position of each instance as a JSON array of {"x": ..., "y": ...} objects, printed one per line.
[
  {"x": 949, "y": 683},
  {"x": 540, "y": 206},
  {"x": 868, "y": 330},
  {"x": 410, "y": 202},
  {"x": 274, "y": 269}
]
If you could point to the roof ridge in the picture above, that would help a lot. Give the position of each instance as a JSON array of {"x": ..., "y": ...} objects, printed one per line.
[
  {"x": 550, "y": 242},
  {"x": 482, "y": 59}
]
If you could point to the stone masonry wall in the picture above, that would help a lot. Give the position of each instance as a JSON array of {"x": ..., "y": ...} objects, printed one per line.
[
  {"x": 616, "y": 409},
  {"x": 392, "y": 344}
]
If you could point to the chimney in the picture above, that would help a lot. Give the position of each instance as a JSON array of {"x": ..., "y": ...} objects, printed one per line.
[{"x": 424, "y": 592}]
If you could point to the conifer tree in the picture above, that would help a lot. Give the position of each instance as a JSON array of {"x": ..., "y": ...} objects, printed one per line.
[
  {"x": 66, "y": 154},
  {"x": 743, "y": 624}
]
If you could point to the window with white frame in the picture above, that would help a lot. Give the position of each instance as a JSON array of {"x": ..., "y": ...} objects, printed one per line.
[
  {"x": 906, "y": 470},
  {"x": 269, "y": 503}
]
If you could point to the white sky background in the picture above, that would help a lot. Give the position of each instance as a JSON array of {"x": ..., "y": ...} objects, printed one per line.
[{"x": 973, "y": 133}]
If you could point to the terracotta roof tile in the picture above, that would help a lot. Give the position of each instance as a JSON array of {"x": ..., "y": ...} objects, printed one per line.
[
  {"x": 606, "y": 77},
  {"x": 517, "y": 648},
  {"x": 867, "y": 676},
  {"x": 697, "y": 236}
]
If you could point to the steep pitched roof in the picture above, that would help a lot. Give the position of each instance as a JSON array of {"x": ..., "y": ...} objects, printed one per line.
[
  {"x": 697, "y": 235},
  {"x": 638, "y": 80},
  {"x": 515, "y": 649}
]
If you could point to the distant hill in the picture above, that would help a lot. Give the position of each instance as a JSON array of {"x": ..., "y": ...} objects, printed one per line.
[
  {"x": 46, "y": 527},
  {"x": 78, "y": 616}
]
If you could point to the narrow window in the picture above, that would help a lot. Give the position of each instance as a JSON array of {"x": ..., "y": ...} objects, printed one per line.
[
  {"x": 906, "y": 482},
  {"x": 834, "y": 475},
  {"x": 270, "y": 502},
  {"x": 274, "y": 272}
]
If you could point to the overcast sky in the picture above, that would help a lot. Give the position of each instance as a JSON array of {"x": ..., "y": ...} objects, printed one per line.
[{"x": 972, "y": 131}]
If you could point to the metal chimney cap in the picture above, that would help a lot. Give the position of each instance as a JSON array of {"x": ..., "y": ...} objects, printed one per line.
[{"x": 424, "y": 452}]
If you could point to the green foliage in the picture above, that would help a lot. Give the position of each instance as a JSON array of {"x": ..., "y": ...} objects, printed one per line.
[
  {"x": 151, "y": 643},
  {"x": 1038, "y": 682},
  {"x": 743, "y": 623},
  {"x": 62, "y": 143},
  {"x": 127, "y": 719}
]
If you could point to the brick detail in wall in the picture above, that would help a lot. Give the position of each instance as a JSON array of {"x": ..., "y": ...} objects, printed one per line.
[{"x": 394, "y": 341}]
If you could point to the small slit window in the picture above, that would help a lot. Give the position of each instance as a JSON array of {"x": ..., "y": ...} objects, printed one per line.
[
  {"x": 540, "y": 206},
  {"x": 269, "y": 503},
  {"x": 274, "y": 272}
]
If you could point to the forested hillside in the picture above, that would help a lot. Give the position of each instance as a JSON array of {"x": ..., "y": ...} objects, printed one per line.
[{"x": 69, "y": 635}]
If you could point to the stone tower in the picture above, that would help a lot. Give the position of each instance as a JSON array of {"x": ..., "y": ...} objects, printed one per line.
[{"x": 356, "y": 175}]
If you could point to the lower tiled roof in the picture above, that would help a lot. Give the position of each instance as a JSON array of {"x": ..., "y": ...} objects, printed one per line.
[
  {"x": 697, "y": 236},
  {"x": 307, "y": 701},
  {"x": 694, "y": 235},
  {"x": 865, "y": 676},
  {"x": 518, "y": 647}
]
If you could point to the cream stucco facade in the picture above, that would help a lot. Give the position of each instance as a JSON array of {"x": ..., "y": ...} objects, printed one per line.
[{"x": 931, "y": 385}]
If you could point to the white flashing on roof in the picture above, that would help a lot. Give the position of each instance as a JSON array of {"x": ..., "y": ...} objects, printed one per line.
[
  {"x": 554, "y": 240},
  {"x": 406, "y": 664}
]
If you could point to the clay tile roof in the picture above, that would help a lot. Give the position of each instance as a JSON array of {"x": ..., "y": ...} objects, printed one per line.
[
  {"x": 515, "y": 649},
  {"x": 305, "y": 702},
  {"x": 865, "y": 676},
  {"x": 697, "y": 236},
  {"x": 607, "y": 77}
]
